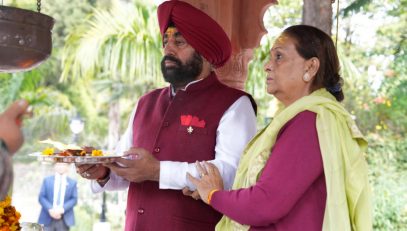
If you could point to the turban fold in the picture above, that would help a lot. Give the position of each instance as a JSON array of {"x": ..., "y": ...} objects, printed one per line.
[{"x": 203, "y": 33}]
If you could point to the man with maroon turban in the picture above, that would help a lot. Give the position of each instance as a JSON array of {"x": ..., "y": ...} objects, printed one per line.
[{"x": 196, "y": 118}]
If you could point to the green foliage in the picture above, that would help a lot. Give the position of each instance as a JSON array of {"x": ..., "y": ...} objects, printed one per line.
[
  {"x": 10, "y": 93},
  {"x": 85, "y": 217},
  {"x": 387, "y": 157},
  {"x": 375, "y": 90},
  {"x": 355, "y": 7},
  {"x": 121, "y": 43},
  {"x": 77, "y": 11},
  {"x": 359, "y": 96},
  {"x": 397, "y": 114},
  {"x": 284, "y": 14},
  {"x": 394, "y": 86}
]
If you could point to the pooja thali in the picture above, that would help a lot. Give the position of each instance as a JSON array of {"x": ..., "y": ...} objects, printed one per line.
[
  {"x": 75, "y": 159},
  {"x": 59, "y": 152}
]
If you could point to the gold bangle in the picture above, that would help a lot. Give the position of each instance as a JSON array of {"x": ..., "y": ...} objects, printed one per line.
[{"x": 210, "y": 195}]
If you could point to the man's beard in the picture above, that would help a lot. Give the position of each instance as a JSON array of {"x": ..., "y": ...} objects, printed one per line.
[{"x": 180, "y": 74}]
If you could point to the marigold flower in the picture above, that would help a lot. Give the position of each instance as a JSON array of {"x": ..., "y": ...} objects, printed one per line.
[
  {"x": 9, "y": 216},
  {"x": 97, "y": 152},
  {"x": 48, "y": 152}
]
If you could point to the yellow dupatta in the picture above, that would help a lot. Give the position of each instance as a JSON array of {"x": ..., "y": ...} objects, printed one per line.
[{"x": 348, "y": 203}]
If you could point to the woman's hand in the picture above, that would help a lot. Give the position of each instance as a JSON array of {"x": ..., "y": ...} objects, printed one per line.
[{"x": 210, "y": 179}]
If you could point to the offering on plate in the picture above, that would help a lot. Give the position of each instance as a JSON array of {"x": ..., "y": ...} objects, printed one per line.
[
  {"x": 73, "y": 152},
  {"x": 69, "y": 149},
  {"x": 59, "y": 152}
]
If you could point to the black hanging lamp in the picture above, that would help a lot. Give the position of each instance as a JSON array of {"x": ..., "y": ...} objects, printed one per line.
[{"x": 25, "y": 38}]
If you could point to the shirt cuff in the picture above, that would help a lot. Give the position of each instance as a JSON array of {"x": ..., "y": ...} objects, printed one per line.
[
  {"x": 113, "y": 184},
  {"x": 173, "y": 175},
  {"x": 95, "y": 186}
]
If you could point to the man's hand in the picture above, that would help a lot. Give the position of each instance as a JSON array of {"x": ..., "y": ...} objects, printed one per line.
[
  {"x": 193, "y": 194},
  {"x": 10, "y": 123},
  {"x": 92, "y": 171},
  {"x": 137, "y": 165},
  {"x": 54, "y": 214}
]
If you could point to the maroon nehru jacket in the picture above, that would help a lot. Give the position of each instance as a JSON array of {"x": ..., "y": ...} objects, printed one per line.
[{"x": 161, "y": 126}]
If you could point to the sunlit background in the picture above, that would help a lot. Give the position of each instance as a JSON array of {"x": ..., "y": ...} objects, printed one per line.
[{"x": 86, "y": 77}]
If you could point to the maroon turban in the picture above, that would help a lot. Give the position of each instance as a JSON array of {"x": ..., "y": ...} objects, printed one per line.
[{"x": 203, "y": 33}]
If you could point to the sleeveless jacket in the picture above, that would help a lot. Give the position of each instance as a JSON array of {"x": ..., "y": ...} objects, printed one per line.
[{"x": 180, "y": 128}]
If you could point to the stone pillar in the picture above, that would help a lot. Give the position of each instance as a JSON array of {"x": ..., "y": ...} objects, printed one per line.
[{"x": 243, "y": 22}]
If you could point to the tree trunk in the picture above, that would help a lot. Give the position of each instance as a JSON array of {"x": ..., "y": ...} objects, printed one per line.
[
  {"x": 318, "y": 13},
  {"x": 114, "y": 124}
]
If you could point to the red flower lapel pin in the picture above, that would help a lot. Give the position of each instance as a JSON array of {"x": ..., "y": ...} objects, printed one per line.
[{"x": 192, "y": 121}]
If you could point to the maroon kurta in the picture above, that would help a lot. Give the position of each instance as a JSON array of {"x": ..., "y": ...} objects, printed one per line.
[
  {"x": 159, "y": 126},
  {"x": 290, "y": 194}
]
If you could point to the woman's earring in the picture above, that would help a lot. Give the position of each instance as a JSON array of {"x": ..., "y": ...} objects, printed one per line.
[{"x": 306, "y": 77}]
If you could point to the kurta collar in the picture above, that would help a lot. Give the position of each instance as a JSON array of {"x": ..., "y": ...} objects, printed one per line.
[{"x": 197, "y": 84}]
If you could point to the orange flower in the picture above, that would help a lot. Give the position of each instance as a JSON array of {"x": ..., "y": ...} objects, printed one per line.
[
  {"x": 97, "y": 152},
  {"x": 9, "y": 216},
  {"x": 48, "y": 152}
]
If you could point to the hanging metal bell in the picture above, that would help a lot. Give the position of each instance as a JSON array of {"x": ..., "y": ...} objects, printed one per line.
[{"x": 25, "y": 39}]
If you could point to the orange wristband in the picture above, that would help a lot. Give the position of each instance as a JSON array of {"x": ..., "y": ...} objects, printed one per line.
[{"x": 210, "y": 195}]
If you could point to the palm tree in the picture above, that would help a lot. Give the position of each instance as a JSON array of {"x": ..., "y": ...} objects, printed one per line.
[
  {"x": 51, "y": 107},
  {"x": 118, "y": 50}
]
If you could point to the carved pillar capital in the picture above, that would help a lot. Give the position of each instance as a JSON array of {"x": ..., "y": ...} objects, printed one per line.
[
  {"x": 242, "y": 21},
  {"x": 234, "y": 72}
]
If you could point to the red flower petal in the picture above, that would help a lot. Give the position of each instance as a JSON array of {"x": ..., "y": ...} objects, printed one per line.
[
  {"x": 198, "y": 123},
  {"x": 186, "y": 120}
]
